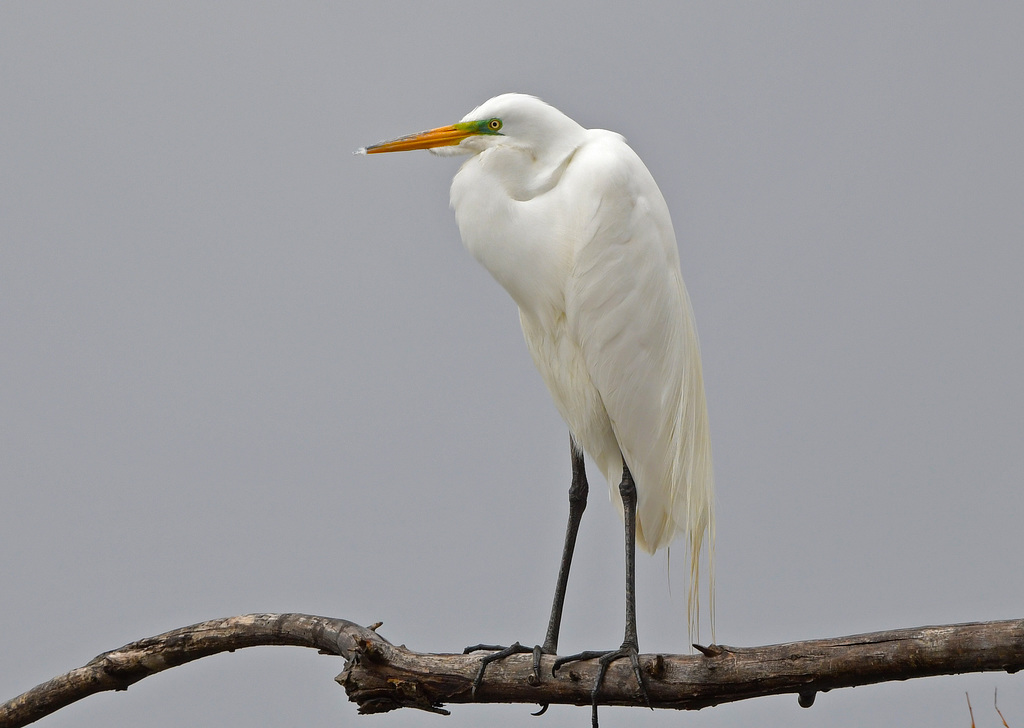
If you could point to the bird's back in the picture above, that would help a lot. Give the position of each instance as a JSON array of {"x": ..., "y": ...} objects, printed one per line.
[{"x": 629, "y": 313}]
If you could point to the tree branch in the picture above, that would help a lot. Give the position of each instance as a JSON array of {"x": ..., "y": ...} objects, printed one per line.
[
  {"x": 117, "y": 669},
  {"x": 380, "y": 676}
]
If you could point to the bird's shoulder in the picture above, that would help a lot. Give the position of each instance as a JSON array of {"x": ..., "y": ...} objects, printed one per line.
[
  {"x": 605, "y": 157},
  {"x": 606, "y": 172},
  {"x": 613, "y": 196}
]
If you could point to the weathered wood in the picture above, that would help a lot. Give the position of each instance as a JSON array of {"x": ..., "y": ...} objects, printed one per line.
[
  {"x": 380, "y": 676},
  {"x": 120, "y": 668},
  {"x": 387, "y": 677}
]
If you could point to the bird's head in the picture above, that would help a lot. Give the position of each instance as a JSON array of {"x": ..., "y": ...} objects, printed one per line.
[{"x": 510, "y": 120}]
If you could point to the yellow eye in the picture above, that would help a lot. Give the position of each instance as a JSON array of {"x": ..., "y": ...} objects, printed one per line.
[{"x": 494, "y": 124}]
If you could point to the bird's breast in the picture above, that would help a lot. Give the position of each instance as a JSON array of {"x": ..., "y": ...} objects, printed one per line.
[
  {"x": 529, "y": 247},
  {"x": 526, "y": 245}
]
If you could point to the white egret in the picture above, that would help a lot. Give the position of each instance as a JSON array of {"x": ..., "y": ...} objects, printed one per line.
[{"x": 571, "y": 223}]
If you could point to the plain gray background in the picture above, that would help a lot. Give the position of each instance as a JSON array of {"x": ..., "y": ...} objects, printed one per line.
[{"x": 243, "y": 370}]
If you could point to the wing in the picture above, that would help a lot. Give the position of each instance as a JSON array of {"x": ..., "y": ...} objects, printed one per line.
[{"x": 629, "y": 313}]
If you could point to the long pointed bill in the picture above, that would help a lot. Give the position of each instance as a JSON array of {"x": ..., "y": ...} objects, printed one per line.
[{"x": 443, "y": 136}]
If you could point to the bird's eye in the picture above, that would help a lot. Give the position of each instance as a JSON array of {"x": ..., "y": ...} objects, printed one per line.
[{"x": 494, "y": 124}]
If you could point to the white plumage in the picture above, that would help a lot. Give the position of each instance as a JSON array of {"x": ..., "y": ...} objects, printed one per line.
[{"x": 571, "y": 223}]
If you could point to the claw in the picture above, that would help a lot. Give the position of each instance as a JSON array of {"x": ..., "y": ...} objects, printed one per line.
[
  {"x": 604, "y": 659},
  {"x": 578, "y": 657},
  {"x": 500, "y": 652},
  {"x": 477, "y": 648}
]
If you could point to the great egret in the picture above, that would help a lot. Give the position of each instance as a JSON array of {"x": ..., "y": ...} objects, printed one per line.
[{"x": 571, "y": 223}]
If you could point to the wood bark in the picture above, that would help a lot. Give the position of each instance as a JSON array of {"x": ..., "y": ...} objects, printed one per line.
[{"x": 380, "y": 676}]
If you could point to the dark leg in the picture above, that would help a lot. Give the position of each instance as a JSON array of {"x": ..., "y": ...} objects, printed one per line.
[
  {"x": 578, "y": 492},
  {"x": 630, "y": 645}
]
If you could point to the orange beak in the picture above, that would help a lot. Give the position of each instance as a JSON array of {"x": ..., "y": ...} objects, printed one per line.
[{"x": 443, "y": 136}]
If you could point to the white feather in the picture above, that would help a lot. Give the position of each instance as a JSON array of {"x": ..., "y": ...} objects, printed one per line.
[{"x": 571, "y": 223}]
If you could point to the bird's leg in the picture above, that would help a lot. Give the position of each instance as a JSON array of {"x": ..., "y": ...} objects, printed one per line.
[
  {"x": 578, "y": 491},
  {"x": 630, "y": 644}
]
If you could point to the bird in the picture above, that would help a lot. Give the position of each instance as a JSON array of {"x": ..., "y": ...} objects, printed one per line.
[{"x": 571, "y": 223}]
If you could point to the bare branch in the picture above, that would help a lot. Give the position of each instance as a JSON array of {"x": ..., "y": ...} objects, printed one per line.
[
  {"x": 117, "y": 669},
  {"x": 388, "y": 677},
  {"x": 380, "y": 676}
]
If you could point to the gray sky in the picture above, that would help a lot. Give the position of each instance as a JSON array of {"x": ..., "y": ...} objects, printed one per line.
[{"x": 243, "y": 370}]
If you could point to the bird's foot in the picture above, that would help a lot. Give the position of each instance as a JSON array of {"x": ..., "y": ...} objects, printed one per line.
[
  {"x": 500, "y": 652},
  {"x": 604, "y": 659}
]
